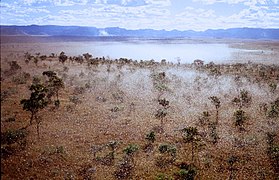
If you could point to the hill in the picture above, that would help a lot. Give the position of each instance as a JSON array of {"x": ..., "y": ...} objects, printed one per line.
[{"x": 52, "y": 30}]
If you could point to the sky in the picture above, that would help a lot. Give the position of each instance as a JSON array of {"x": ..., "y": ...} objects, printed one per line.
[{"x": 196, "y": 15}]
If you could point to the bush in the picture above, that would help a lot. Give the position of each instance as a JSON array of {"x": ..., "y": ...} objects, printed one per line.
[
  {"x": 213, "y": 132},
  {"x": 22, "y": 78},
  {"x": 239, "y": 117},
  {"x": 273, "y": 111},
  {"x": 161, "y": 113},
  {"x": 36, "y": 80},
  {"x": 150, "y": 136},
  {"x": 167, "y": 155},
  {"x": 166, "y": 148},
  {"x": 12, "y": 136},
  {"x": 14, "y": 66},
  {"x": 186, "y": 172},
  {"x": 131, "y": 149},
  {"x": 273, "y": 151}
]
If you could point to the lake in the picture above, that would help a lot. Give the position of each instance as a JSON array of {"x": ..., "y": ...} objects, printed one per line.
[{"x": 185, "y": 51}]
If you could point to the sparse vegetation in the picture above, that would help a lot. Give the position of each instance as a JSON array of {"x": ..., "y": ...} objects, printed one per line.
[{"x": 124, "y": 100}]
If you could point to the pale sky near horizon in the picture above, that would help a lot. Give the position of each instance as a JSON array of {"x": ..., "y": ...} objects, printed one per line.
[{"x": 142, "y": 14}]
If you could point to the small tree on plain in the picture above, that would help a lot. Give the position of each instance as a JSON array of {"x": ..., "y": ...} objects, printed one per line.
[
  {"x": 240, "y": 118},
  {"x": 231, "y": 163},
  {"x": 244, "y": 100},
  {"x": 216, "y": 102},
  {"x": 150, "y": 137},
  {"x": 162, "y": 112},
  {"x": 36, "y": 102},
  {"x": 54, "y": 84},
  {"x": 191, "y": 135},
  {"x": 62, "y": 57}
]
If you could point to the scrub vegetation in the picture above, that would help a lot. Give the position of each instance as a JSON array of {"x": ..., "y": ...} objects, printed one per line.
[{"x": 87, "y": 117}]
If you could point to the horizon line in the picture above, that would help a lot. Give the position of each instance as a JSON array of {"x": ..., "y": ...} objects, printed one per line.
[{"x": 141, "y": 28}]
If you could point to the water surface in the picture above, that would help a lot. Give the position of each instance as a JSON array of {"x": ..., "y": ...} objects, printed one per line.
[{"x": 183, "y": 51}]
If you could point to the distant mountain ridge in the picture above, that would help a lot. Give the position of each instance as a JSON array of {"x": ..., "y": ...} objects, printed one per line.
[{"x": 52, "y": 30}]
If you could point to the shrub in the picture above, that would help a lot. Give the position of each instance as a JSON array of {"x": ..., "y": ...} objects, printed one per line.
[
  {"x": 213, "y": 132},
  {"x": 273, "y": 111},
  {"x": 244, "y": 99},
  {"x": 131, "y": 149},
  {"x": 14, "y": 66},
  {"x": 167, "y": 155},
  {"x": 161, "y": 113},
  {"x": 21, "y": 78},
  {"x": 240, "y": 117},
  {"x": 216, "y": 102},
  {"x": 273, "y": 151},
  {"x": 12, "y": 136},
  {"x": 166, "y": 148},
  {"x": 231, "y": 161},
  {"x": 163, "y": 102},
  {"x": 62, "y": 57},
  {"x": 36, "y": 80},
  {"x": 204, "y": 119},
  {"x": 13, "y": 140},
  {"x": 150, "y": 137},
  {"x": 272, "y": 87},
  {"x": 186, "y": 172}
]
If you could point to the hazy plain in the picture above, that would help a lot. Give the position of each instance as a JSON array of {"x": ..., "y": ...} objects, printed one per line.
[
  {"x": 173, "y": 50},
  {"x": 117, "y": 101}
]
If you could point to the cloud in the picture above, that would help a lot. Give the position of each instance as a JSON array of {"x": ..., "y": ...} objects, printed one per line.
[
  {"x": 132, "y": 17},
  {"x": 140, "y": 14},
  {"x": 220, "y": 1},
  {"x": 238, "y": 1},
  {"x": 159, "y": 3},
  {"x": 53, "y": 2}
]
